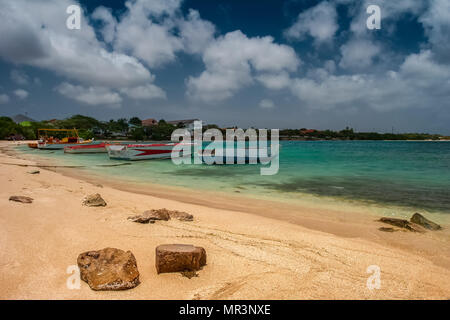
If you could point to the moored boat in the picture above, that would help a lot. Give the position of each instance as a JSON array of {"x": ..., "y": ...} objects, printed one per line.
[
  {"x": 140, "y": 151},
  {"x": 33, "y": 145},
  {"x": 99, "y": 147},
  {"x": 55, "y": 143}
]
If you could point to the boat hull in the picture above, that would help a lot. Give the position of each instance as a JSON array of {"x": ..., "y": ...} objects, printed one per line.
[
  {"x": 133, "y": 152},
  {"x": 89, "y": 148}
]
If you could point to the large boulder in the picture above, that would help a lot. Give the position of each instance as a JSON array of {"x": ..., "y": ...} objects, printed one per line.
[
  {"x": 402, "y": 223},
  {"x": 179, "y": 258},
  {"x": 21, "y": 199},
  {"x": 108, "y": 269},
  {"x": 150, "y": 216},
  {"x": 424, "y": 222},
  {"x": 94, "y": 200}
]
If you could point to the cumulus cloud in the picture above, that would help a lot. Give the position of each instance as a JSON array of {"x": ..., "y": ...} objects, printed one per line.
[
  {"x": 274, "y": 81},
  {"x": 19, "y": 77},
  {"x": 4, "y": 98},
  {"x": 266, "y": 104},
  {"x": 231, "y": 62},
  {"x": 419, "y": 83},
  {"x": 358, "y": 54},
  {"x": 72, "y": 54},
  {"x": 90, "y": 95},
  {"x": 109, "y": 23},
  {"x": 196, "y": 33},
  {"x": 436, "y": 21},
  {"x": 319, "y": 22},
  {"x": 21, "y": 94},
  {"x": 146, "y": 92}
]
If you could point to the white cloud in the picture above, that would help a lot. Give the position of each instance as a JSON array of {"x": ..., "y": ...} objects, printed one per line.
[
  {"x": 196, "y": 34},
  {"x": 19, "y": 77},
  {"x": 4, "y": 98},
  {"x": 232, "y": 60},
  {"x": 320, "y": 22},
  {"x": 436, "y": 21},
  {"x": 40, "y": 40},
  {"x": 90, "y": 95},
  {"x": 419, "y": 83},
  {"x": 266, "y": 104},
  {"x": 108, "y": 29},
  {"x": 358, "y": 54},
  {"x": 21, "y": 94},
  {"x": 146, "y": 92},
  {"x": 274, "y": 81}
]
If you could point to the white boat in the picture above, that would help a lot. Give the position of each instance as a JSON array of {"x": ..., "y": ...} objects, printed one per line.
[
  {"x": 99, "y": 147},
  {"x": 141, "y": 151},
  {"x": 227, "y": 156}
]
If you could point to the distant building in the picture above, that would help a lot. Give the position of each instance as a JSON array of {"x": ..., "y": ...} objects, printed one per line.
[
  {"x": 188, "y": 124},
  {"x": 149, "y": 122}
]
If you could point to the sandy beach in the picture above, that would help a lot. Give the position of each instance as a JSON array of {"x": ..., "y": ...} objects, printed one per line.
[{"x": 255, "y": 250}]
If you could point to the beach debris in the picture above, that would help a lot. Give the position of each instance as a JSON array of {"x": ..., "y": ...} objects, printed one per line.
[
  {"x": 108, "y": 269},
  {"x": 179, "y": 258},
  {"x": 22, "y": 199},
  {"x": 94, "y": 200},
  {"x": 402, "y": 223},
  {"x": 386, "y": 229},
  {"x": 424, "y": 222},
  {"x": 150, "y": 216},
  {"x": 34, "y": 172}
]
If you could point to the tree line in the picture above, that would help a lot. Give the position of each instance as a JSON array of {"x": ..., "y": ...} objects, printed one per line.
[{"x": 133, "y": 129}]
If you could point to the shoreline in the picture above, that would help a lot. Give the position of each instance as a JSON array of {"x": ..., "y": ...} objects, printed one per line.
[{"x": 272, "y": 246}]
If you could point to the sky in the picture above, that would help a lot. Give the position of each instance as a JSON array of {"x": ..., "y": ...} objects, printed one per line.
[{"x": 266, "y": 63}]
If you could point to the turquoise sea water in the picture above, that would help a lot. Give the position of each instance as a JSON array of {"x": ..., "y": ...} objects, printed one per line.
[{"x": 405, "y": 174}]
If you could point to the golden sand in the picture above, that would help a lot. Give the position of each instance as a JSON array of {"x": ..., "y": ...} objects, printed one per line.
[{"x": 256, "y": 250}]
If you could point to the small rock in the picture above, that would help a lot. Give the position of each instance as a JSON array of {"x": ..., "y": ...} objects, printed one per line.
[
  {"x": 424, "y": 222},
  {"x": 34, "y": 172},
  {"x": 150, "y": 216},
  {"x": 189, "y": 274},
  {"x": 22, "y": 199},
  {"x": 94, "y": 200},
  {"x": 108, "y": 269},
  {"x": 179, "y": 258},
  {"x": 180, "y": 215},
  {"x": 385, "y": 229},
  {"x": 402, "y": 223}
]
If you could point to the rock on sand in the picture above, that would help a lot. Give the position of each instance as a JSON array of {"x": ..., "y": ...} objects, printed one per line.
[{"x": 108, "y": 269}]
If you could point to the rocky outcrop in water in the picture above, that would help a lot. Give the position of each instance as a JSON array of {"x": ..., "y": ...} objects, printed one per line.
[
  {"x": 108, "y": 269},
  {"x": 94, "y": 200},
  {"x": 179, "y": 258},
  {"x": 21, "y": 199},
  {"x": 424, "y": 222}
]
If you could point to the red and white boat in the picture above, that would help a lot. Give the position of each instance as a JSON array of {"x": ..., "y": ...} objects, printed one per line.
[
  {"x": 99, "y": 147},
  {"x": 141, "y": 151}
]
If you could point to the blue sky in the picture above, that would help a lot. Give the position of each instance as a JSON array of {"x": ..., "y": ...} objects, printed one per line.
[{"x": 266, "y": 63}]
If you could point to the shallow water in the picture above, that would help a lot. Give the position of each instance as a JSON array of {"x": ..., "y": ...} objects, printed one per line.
[{"x": 406, "y": 175}]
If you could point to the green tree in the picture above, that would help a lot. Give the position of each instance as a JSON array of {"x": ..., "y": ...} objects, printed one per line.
[{"x": 135, "y": 121}]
